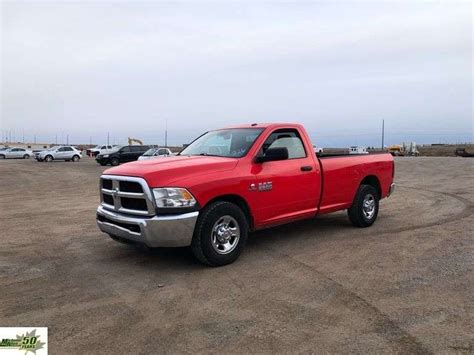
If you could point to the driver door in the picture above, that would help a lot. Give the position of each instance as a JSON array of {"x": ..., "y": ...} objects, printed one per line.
[{"x": 287, "y": 189}]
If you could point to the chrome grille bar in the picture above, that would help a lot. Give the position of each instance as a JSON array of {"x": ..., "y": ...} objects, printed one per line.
[{"x": 117, "y": 195}]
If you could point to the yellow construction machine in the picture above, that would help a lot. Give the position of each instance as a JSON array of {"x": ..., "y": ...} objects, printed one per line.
[{"x": 134, "y": 140}]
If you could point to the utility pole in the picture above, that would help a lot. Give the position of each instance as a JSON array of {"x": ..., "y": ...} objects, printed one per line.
[
  {"x": 108, "y": 138},
  {"x": 383, "y": 133},
  {"x": 166, "y": 133},
  {"x": 90, "y": 140},
  {"x": 35, "y": 138},
  {"x": 67, "y": 139},
  {"x": 56, "y": 139},
  {"x": 23, "y": 136}
]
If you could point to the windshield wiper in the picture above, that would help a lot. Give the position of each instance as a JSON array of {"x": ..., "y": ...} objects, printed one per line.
[{"x": 209, "y": 155}]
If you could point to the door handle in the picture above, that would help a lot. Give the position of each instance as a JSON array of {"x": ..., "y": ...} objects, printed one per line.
[{"x": 306, "y": 168}]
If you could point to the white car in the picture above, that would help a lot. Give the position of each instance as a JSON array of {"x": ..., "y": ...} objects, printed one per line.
[
  {"x": 16, "y": 153},
  {"x": 155, "y": 153},
  {"x": 66, "y": 153},
  {"x": 103, "y": 149}
]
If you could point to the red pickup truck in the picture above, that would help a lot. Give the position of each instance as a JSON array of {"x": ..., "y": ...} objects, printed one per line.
[{"x": 231, "y": 181}]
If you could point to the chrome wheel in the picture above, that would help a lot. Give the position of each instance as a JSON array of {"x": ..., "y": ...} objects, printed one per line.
[
  {"x": 225, "y": 234},
  {"x": 368, "y": 206}
]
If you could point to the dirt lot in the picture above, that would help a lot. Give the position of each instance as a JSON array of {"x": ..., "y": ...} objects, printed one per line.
[{"x": 404, "y": 285}]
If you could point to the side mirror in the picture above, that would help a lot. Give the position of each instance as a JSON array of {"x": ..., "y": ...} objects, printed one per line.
[{"x": 273, "y": 154}]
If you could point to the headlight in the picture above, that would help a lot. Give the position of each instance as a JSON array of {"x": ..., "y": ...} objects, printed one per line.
[
  {"x": 105, "y": 156},
  {"x": 173, "y": 197}
]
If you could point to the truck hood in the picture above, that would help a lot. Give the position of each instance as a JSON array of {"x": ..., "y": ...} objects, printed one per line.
[{"x": 171, "y": 170}]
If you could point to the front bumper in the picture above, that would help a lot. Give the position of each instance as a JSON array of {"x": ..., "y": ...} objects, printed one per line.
[
  {"x": 157, "y": 231},
  {"x": 101, "y": 160}
]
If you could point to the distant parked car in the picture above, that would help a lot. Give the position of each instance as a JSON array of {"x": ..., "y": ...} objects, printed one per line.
[
  {"x": 66, "y": 153},
  {"x": 123, "y": 155},
  {"x": 155, "y": 153},
  {"x": 16, "y": 153},
  {"x": 102, "y": 149}
]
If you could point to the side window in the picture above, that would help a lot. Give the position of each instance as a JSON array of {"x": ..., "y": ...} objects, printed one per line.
[
  {"x": 162, "y": 152},
  {"x": 67, "y": 149},
  {"x": 125, "y": 150},
  {"x": 286, "y": 138},
  {"x": 136, "y": 149},
  {"x": 103, "y": 147},
  {"x": 21, "y": 150},
  {"x": 61, "y": 149}
]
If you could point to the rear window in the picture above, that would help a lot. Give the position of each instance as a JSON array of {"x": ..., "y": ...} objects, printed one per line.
[{"x": 286, "y": 138}]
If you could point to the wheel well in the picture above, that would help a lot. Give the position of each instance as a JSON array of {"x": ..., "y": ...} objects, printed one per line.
[
  {"x": 374, "y": 182},
  {"x": 239, "y": 201}
]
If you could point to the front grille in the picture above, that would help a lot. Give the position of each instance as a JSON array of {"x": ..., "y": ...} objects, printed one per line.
[
  {"x": 129, "y": 186},
  {"x": 127, "y": 195},
  {"x": 134, "y": 204},
  {"x": 108, "y": 199},
  {"x": 107, "y": 184},
  {"x": 131, "y": 227}
]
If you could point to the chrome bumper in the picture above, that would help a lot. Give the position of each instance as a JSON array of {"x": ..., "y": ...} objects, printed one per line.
[
  {"x": 158, "y": 231},
  {"x": 391, "y": 190}
]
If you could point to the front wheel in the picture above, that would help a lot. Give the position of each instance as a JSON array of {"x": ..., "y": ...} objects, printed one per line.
[
  {"x": 48, "y": 159},
  {"x": 114, "y": 162},
  {"x": 2, "y": 156},
  {"x": 26, "y": 156},
  {"x": 220, "y": 234},
  {"x": 75, "y": 158},
  {"x": 365, "y": 208}
]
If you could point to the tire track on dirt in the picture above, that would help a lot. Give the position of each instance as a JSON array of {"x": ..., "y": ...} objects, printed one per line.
[
  {"x": 468, "y": 210},
  {"x": 400, "y": 340}
]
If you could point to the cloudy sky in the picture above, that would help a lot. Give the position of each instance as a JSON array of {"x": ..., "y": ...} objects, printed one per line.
[{"x": 87, "y": 68}]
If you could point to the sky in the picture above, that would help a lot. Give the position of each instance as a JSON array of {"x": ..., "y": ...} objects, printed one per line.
[{"x": 85, "y": 71}]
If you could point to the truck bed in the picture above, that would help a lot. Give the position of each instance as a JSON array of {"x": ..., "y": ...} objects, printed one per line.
[{"x": 343, "y": 154}]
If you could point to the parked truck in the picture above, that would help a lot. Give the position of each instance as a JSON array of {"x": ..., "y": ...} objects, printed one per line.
[{"x": 231, "y": 181}]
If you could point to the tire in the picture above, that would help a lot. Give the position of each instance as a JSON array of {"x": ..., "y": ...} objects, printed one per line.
[
  {"x": 2, "y": 156},
  {"x": 48, "y": 158},
  {"x": 365, "y": 208},
  {"x": 231, "y": 222},
  {"x": 75, "y": 158},
  {"x": 114, "y": 162},
  {"x": 26, "y": 156},
  {"x": 103, "y": 164}
]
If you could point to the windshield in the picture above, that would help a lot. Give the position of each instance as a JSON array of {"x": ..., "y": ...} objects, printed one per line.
[
  {"x": 150, "y": 152},
  {"x": 232, "y": 143}
]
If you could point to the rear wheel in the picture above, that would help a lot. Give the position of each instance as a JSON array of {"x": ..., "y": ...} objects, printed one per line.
[
  {"x": 114, "y": 162},
  {"x": 220, "y": 234},
  {"x": 26, "y": 156},
  {"x": 365, "y": 208},
  {"x": 2, "y": 156}
]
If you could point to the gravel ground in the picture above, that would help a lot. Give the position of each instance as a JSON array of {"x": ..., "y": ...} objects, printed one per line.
[{"x": 404, "y": 285}]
